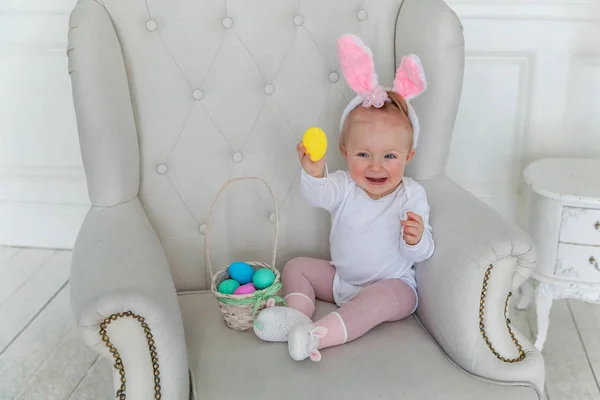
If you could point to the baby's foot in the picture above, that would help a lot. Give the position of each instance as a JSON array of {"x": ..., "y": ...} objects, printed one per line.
[
  {"x": 303, "y": 341},
  {"x": 273, "y": 324}
]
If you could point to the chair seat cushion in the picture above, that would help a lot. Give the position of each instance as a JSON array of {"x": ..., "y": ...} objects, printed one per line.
[{"x": 393, "y": 361}]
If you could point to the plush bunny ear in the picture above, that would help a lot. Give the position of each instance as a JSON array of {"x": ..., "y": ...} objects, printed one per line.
[
  {"x": 356, "y": 61},
  {"x": 410, "y": 79},
  {"x": 318, "y": 332},
  {"x": 315, "y": 355}
]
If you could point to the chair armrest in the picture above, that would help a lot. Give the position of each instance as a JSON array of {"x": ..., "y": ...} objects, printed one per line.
[
  {"x": 121, "y": 283},
  {"x": 480, "y": 258}
]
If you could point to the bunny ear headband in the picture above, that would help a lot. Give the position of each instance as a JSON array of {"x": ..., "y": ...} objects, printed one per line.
[{"x": 358, "y": 68}]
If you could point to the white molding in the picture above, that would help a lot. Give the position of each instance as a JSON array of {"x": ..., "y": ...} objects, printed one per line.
[
  {"x": 581, "y": 118},
  {"x": 42, "y": 206},
  {"x": 43, "y": 184},
  {"x": 527, "y": 10},
  {"x": 505, "y": 197},
  {"x": 520, "y": 134}
]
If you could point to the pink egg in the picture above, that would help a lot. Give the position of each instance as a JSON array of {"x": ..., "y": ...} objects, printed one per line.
[{"x": 245, "y": 289}]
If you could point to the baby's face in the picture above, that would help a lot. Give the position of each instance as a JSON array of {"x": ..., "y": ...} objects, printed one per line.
[{"x": 377, "y": 150}]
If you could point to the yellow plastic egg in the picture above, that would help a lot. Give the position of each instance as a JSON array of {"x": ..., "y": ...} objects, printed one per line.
[{"x": 315, "y": 142}]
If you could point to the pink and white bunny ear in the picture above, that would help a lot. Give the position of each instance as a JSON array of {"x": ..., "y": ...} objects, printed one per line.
[
  {"x": 410, "y": 79},
  {"x": 356, "y": 61}
]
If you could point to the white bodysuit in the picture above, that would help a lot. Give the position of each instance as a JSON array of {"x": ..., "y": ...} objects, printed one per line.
[{"x": 366, "y": 235}]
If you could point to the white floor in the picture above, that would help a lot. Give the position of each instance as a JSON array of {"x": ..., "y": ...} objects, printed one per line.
[{"x": 41, "y": 356}]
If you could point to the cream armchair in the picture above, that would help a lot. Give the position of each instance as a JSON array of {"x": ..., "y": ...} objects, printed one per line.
[{"x": 174, "y": 98}]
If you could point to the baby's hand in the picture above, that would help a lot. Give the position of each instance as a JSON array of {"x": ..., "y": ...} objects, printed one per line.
[
  {"x": 413, "y": 228},
  {"x": 313, "y": 168}
]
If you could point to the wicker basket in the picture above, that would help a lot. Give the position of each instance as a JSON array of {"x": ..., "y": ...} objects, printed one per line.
[{"x": 239, "y": 310}]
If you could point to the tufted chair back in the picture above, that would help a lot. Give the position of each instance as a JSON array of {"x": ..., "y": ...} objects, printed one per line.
[{"x": 176, "y": 97}]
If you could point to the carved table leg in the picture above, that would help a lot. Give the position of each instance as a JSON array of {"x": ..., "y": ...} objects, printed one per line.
[
  {"x": 527, "y": 290},
  {"x": 543, "y": 303}
]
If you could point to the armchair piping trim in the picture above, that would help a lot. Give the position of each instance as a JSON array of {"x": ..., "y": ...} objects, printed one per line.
[
  {"x": 482, "y": 327},
  {"x": 121, "y": 393}
]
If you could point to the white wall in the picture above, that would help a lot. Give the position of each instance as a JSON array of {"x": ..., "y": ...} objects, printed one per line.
[
  {"x": 532, "y": 80},
  {"x": 43, "y": 197},
  {"x": 531, "y": 89}
]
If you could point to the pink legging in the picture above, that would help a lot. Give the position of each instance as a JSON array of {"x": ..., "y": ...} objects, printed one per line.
[{"x": 306, "y": 279}]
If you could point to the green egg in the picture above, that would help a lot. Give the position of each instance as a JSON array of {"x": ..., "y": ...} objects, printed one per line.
[
  {"x": 263, "y": 278},
  {"x": 228, "y": 286}
]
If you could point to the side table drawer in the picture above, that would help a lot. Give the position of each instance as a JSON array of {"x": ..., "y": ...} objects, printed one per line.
[
  {"x": 581, "y": 263},
  {"x": 580, "y": 225}
]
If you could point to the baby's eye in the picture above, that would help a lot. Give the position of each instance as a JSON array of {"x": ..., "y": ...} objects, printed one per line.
[
  {"x": 362, "y": 154},
  {"x": 390, "y": 156}
]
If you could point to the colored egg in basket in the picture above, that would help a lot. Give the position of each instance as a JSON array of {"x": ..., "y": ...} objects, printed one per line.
[{"x": 243, "y": 279}]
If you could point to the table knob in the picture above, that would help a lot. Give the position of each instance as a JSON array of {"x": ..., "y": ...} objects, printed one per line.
[
  {"x": 593, "y": 261},
  {"x": 597, "y": 225}
]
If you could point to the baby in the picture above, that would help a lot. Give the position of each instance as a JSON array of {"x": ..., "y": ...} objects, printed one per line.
[{"x": 380, "y": 218}]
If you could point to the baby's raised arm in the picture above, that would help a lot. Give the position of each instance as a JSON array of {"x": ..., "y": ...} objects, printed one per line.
[
  {"x": 313, "y": 168},
  {"x": 417, "y": 240},
  {"x": 320, "y": 188}
]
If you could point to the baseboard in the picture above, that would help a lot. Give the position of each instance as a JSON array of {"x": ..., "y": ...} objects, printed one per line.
[{"x": 42, "y": 206}]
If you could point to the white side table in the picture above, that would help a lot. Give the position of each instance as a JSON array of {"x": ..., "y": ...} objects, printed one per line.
[{"x": 565, "y": 225}]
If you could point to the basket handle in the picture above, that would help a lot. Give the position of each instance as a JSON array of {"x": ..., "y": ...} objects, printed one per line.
[{"x": 207, "y": 263}]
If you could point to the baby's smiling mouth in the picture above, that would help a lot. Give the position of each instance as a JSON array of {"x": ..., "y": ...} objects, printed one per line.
[{"x": 377, "y": 181}]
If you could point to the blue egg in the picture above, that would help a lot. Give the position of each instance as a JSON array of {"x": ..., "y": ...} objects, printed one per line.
[{"x": 241, "y": 272}]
